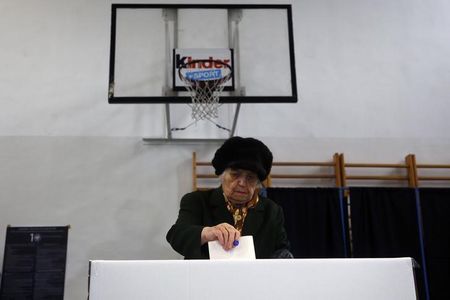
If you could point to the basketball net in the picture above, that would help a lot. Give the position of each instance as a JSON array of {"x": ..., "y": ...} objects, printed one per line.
[
  {"x": 205, "y": 100},
  {"x": 205, "y": 93}
]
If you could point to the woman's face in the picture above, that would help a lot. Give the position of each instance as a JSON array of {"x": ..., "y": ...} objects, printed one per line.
[{"x": 239, "y": 185}]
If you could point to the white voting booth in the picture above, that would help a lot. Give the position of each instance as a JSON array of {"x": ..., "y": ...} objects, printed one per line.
[{"x": 390, "y": 278}]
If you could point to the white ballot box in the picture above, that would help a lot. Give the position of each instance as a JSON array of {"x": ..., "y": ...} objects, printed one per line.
[{"x": 390, "y": 278}]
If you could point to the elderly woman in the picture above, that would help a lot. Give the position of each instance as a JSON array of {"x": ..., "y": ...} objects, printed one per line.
[{"x": 234, "y": 209}]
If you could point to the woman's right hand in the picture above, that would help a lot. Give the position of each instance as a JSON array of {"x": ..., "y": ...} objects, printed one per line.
[{"x": 225, "y": 233}]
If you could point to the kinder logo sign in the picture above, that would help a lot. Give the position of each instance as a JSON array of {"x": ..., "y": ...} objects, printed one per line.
[
  {"x": 213, "y": 65},
  {"x": 211, "y": 62}
]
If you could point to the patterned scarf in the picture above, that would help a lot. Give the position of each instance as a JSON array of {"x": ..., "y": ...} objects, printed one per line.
[{"x": 239, "y": 212}]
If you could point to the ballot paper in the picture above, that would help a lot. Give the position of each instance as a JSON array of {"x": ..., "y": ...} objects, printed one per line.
[{"x": 244, "y": 250}]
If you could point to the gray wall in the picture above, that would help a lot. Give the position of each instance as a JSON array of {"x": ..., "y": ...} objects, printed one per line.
[{"x": 374, "y": 80}]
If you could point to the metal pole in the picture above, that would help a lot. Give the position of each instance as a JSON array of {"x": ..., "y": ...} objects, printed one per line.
[
  {"x": 168, "y": 125},
  {"x": 236, "y": 115}
]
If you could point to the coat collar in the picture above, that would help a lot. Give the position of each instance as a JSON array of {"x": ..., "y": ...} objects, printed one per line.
[
  {"x": 217, "y": 198},
  {"x": 219, "y": 210}
]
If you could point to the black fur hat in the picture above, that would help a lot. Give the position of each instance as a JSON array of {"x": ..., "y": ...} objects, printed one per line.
[{"x": 243, "y": 153}]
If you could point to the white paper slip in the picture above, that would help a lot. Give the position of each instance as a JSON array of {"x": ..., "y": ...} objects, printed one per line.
[{"x": 245, "y": 250}]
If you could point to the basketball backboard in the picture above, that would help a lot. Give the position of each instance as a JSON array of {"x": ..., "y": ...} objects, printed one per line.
[{"x": 146, "y": 38}]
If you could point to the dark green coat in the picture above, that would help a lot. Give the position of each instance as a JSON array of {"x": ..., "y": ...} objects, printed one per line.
[{"x": 265, "y": 222}]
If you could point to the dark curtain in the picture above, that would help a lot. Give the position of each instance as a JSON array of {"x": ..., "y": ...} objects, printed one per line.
[
  {"x": 435, "y": 204},
  {"x": 384, "y": 224},
  {"x": 315, "y": 220}
]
